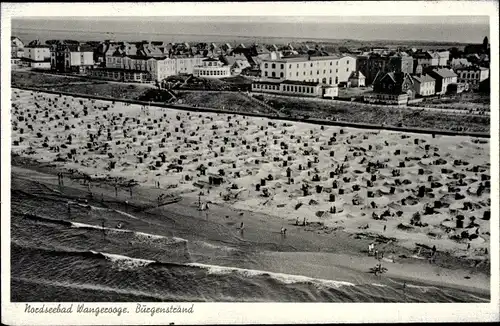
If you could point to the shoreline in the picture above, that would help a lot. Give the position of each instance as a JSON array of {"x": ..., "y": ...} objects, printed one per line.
[{"x": 347, "y": 255}]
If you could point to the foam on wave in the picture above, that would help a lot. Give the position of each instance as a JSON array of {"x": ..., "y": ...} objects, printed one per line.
[{"x": 281, "y": 277}]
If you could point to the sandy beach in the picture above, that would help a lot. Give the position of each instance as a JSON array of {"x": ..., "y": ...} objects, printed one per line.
[{"x": 403, "y": 192}]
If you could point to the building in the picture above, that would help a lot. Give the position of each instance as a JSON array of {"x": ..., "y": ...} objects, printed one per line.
[
  {"x": 329, "y": 70},
  {"x": 37, "y": 52},
  {"x": 444, "y": 58},
  {"x": 186, "y": 64},
  {"x": 472, "y": 75},
  {"x": 391, "y": 88},
  {"x": 370, "y": 65},
  {"x": 422, "y": 60},
  {"x": 16, "y": 47},
  {"x": 394, "y": 83},
  {"x": 72, "y": 58},
  {"x": 295, "y": 88},
  {"x": 134, "y": 76},
  {"x": 443, "y": 77},
  {"x": 212, "y": 68},
  {"x": 157, "y": 69},
  {"x": 37, "y": 56},
  {"x": 357, "y": 79},
  {"x": 459, "y": 63},
  {"x": 424, "y": 85},
  {"x": 237, "y": 63}
]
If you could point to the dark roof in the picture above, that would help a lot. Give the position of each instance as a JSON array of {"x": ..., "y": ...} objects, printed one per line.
[
  {"x": 83, "y": 48},
  {"x": 298, "y": 82},
  {"x": 421, "y": 55},
  {"x": 37, "y": 46},
  {"x": 121, "y": 70},
  {"x": 470, "y": 68},
  {"x": 141, "y": 57},
  {"x": 443, "y": 73},
  {"x": 210, "y": 59},
  {"x": 267, "y": 82}
]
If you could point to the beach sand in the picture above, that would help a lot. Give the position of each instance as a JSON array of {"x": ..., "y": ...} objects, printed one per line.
[{"x": 333, "y": 171}]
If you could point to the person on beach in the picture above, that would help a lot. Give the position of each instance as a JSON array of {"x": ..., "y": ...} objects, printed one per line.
[
  {"x": 385, "y": 227},
  {"x": 297, "y": 221},
  {"x": 304, "y": 223},
  {"x": 242, "y": 227},
  {"x": 371, "y": 247}
]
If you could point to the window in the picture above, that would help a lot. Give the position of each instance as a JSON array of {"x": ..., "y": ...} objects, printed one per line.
[
  {"x": 317, "y": 72},
  {"x": 265, "y": 65},
  {"x": 311, "y": 64},
  {"x": 347, "y": 61},
  {"x": 265, "y": 73},
  {"x": 337, "y": 63},
  {"x": 273, "y": 66},
  {"x": 347, "y": 69},
  {"x": 282, "y": 66},
  {"x": 336, "y": 71},
  {"x": 331, "y": 62},
  {"x": 324, "y": 71},
  {"x": 290, "y": 66},
  {"x": 273, "y": 74},
  {"x": 281, "y": 75},
  {"x": 297, "y": 65},
  {"x": 297, "y": 73},
  {"x": 310, "y": 73}
]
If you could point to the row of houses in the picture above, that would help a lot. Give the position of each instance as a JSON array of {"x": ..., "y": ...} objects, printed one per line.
[
  {"x": 155, "y": 61},
  {"x": 400, "y": 87}
]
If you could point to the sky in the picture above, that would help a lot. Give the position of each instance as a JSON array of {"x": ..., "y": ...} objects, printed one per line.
[{"x": 462, "y": 29}]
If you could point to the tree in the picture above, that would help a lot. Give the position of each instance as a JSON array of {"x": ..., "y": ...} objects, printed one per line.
[{"x": 485, "y": 43}]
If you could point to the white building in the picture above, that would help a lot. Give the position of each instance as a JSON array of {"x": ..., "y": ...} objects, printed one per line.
[
  {"x": 295, "y": 88},
  {"x": 424, "y": 85},
  {"x": 37, "y": 53},
  {"x": 443, "y": 77},
  {"x": 212, "y": 68},
  {"x": 329, "y": 70}
]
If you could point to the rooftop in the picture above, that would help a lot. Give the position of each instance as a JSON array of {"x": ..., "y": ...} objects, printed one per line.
[
  {"x": 302, "y": 83},
  {"x": 444, "y": 73},
  {"x": 423, "y": 78}
]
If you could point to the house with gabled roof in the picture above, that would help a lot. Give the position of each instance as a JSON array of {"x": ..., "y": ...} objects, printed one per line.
[
  {"x": 16, "y": 47},
  {"x": 391, "y": 88},
  {"x": 424, "y": 85},
  {"x": 443, "y": 77},
  {"x": 357, "y": 79},
  {"x": 77, "y": 58}
]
